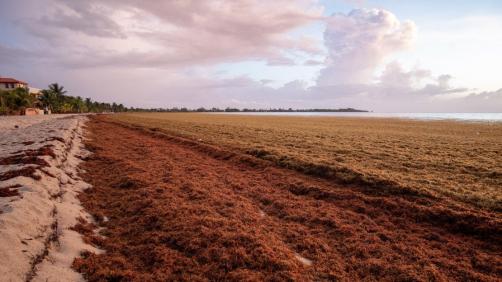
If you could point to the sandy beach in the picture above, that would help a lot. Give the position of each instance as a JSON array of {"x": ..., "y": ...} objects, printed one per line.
[
  {"x": 250, "y": 140},
  {"x": 38, "y": 205},
  {"x": 157, "y": 197}
]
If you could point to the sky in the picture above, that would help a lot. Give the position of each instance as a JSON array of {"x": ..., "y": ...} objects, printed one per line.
[{"x": 383, "y": 56}]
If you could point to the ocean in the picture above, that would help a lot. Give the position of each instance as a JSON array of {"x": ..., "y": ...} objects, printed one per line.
[{"x": 473, "y": 117}]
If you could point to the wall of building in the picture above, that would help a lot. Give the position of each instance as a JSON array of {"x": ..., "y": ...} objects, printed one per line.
[
  {"x": 10, "y": 86},
  {"x": 33, "y": 111}
]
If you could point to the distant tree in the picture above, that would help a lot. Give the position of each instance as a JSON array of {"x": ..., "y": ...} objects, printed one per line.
[
  {"x": 54, "y": 99},
  {"x": 47, "y": 99},
  {"x": 66, "y": 108},
  {"x": 16, "y": 101},
  {"x": 57, "y": 89},
  {"x": 78, "y": 105},
  {"x": 22, "y": 98}
]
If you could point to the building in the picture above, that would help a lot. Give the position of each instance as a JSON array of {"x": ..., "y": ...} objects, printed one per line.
[
  {"x": 7, "y": 83},
  {"x": 35, "y": 91}
]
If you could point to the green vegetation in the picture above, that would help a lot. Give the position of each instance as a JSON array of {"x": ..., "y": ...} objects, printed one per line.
[
  {"x": 54, "y": 99},
  {"x": 15, "y": 101},
  {"x": 244, "y": 110}
]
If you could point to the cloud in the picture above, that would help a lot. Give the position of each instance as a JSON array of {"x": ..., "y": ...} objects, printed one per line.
[
  {"x": 280, "y": 61},
  {"x": 159, "y": 54},
  {"x": 488, "y": 101},
  {"x": 359, "y": 41},
  {"x": 358, "y": 44},
  {"x": 13, "y": 55},
  {"x": 161, "y": 34},
  {"x": 80, "y": 16},
  {"x": 312, "y": 62}
]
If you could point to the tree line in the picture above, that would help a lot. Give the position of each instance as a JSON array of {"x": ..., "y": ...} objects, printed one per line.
[
  {"x": 245, "y": 110},
  {"x": 53, "y": 98}
]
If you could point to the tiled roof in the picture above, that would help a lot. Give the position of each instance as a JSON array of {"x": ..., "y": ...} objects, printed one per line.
[{"x": 11, "y": 80}]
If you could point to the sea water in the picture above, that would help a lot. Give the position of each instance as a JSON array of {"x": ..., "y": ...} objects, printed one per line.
[{"x": 474, "y": 117}]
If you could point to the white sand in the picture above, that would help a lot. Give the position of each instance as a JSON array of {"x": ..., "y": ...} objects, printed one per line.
[
  {"x": 35, "y": 240},
  {"x": 10, "y": 122}
]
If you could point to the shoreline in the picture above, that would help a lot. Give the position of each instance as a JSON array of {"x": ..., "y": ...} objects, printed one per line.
[
  {"x": 468, "y": 117},
  {"x": 137, "y": 200},
  {"x": 39, "y": 167}
]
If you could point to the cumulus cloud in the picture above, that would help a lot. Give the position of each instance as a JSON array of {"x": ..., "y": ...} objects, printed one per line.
[
  {"x": 481, "y": 102},
  {"x": 359, "y": 41},
  {"x": 158, "y": 54}
]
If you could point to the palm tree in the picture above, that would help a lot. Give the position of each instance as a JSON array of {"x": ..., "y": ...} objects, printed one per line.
[
  {"x": 58, "y": 90},
  {"x": 54, "y": 98},
  {"x": 78, "y": 104},
  {"x": 49, "y": 100},
  {"x": 88, "y": 104},
  {"x": 23, "y": 98},
  {"x": 66, "y": 108},
  {"x": 15, "y": 100},
  {"x": 45, "y": 98}
]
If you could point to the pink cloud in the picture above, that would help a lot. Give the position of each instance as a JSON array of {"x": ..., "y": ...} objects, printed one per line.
[
  {"x": 147, "y": 53},
  {"x": 168, "y": 33},
  {"x": 359, "y": 41}
]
